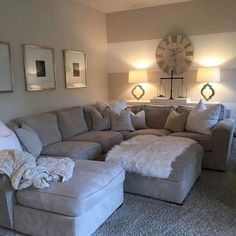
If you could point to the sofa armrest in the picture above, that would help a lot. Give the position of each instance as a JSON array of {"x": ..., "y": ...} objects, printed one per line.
[
  {"x": 222, "y": 138},
  {"x": 7, "y": 200}
]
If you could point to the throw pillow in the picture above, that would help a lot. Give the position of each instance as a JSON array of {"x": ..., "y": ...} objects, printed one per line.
[
  {"x": 29, "y": 139},
  {"x": 9, "y": 142},
  {"x": 138, "y": 120},
  {"x": 4, "y": 130},
  {"x": 116, "y": 106},
  {"x": 122, "y": 121},
  {"x": 202, "y": 119},
  {"x": 176, "y": 121},
  {"x": 100, "y": 121},
  {"x": 71, "y": 122},
  {"x": 156, "y": 116}
]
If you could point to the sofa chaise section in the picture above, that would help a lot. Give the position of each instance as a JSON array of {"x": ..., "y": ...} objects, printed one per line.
[{"x": 77, "y": 207}]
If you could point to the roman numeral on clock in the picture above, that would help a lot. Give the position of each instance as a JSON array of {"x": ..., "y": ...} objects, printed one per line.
[
  {"x": 166, "y": 41},
  {"x": 187, "y": 61},
  {"x": 181, "y": 40},
  {"x": 189, "y": 53},
  {"x": 174, "y": 38}
]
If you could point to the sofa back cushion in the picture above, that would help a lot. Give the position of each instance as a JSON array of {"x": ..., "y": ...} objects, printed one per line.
[
  {"x": 156, "y": 116},
  {"x": 87, "y": 115},
  {"x": 45, "y": 125},
  {"x": 71, "y": 122}
]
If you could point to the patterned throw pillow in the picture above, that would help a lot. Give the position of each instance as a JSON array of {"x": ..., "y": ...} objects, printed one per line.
[
  {"x": 202, "y": 119},
  {"x": 122, "y": 121},
  {"x": 176, "y": 121},
  {"x": 29, "y": 140}
]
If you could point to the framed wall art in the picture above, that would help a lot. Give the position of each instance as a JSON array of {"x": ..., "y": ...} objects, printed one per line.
[
  {"x": 39, "y": 68},
  {"x": 6, "y": 80},
  {"x": 75, "y": 69}
]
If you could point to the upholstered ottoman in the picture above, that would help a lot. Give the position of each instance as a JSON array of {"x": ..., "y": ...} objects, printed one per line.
[
  {"x": 77, "y": 207},
  {"x": 186, "y": 170}
]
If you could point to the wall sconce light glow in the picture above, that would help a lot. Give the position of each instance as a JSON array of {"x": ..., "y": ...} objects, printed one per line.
[
  {"x": 144, "y": 64},
  {"x": 211, "y": 62}
]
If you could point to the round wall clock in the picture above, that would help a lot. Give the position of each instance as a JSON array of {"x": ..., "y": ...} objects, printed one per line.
[{"x": 174, "y": 52}]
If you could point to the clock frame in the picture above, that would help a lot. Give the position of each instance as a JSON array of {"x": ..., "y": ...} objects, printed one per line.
[{"x": 174, "y": 53}]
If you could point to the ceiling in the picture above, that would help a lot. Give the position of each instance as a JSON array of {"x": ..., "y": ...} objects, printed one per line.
[{"x": 108, "y": 6}]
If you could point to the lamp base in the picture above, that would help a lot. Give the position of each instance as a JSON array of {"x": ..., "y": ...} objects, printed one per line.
[
  {"x": 138, "y": 87},
  {"x": 207, "y": 85}
]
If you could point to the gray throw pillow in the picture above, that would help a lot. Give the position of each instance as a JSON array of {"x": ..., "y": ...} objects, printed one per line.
[
  {"x": 176, "y": 122},
  {"x": 122, "y": 121},
  {"x": 138, "y": 120},
  {"x": 29, "y": 140},
  {"x": 100, "y": 121},
  {"x": 71, "y": 122}
]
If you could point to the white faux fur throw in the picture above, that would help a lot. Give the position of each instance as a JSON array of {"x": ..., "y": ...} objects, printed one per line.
[{"x": 149, "y": 155}]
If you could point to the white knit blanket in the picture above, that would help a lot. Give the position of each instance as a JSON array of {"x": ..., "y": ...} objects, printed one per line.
[
  {"x": 149, "y": 155},
  {"x": 23, "y": 170}
]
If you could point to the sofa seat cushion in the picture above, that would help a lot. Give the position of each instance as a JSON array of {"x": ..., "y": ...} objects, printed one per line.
[
  {"x": 91, "y": 182},
  {"x": 203, "y": 139},
  {"x": 157, "y": 132},
  {"x": 107, "y": 139},
  {"x": 75, "y": 150}
]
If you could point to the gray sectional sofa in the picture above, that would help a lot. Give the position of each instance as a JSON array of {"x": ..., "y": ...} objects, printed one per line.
[{"x": 80, "y": 206}]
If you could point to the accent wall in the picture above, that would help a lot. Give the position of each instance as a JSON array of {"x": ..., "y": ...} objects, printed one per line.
[{"x": 134, "y": 35}]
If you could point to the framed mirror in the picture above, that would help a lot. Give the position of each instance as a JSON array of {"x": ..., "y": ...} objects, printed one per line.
[{"x": 6, "y": 78}]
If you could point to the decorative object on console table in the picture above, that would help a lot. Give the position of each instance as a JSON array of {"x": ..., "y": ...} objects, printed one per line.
[
  {"x": 136, "y": 77},
  {"x": 6, "y": 82},
  {"x": 162, "y": 90},
  {"x": 75, "y": 69},
  {"x": 171, "y": 82},
  {"x": 210, "y": 74},
  {"x": 39, "y": 68}
]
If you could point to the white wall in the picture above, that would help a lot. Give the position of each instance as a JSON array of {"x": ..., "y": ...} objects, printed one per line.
[{"x": 61, "y": 25}]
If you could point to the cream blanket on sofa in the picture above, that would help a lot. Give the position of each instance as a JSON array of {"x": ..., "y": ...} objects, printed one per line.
[
  {"x": 23, "y": 170},
  {"x": 149, "y": 155}
]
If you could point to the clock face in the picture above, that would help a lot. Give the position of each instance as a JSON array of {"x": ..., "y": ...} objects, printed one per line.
[{"x": 175, "y": 52}]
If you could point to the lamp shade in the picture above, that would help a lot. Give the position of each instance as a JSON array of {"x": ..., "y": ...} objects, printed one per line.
[
  {"x": 138, "y": 76},
  {"x": 210, "y": 74}
]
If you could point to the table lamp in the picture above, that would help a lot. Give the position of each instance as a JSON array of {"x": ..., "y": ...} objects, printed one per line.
[
  {"x": 136, "y": 77},
  {"x": 209, "y": 74}
]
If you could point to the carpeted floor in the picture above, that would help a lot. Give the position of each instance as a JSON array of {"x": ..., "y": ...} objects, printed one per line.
[{"x": 210, "y": 209}]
